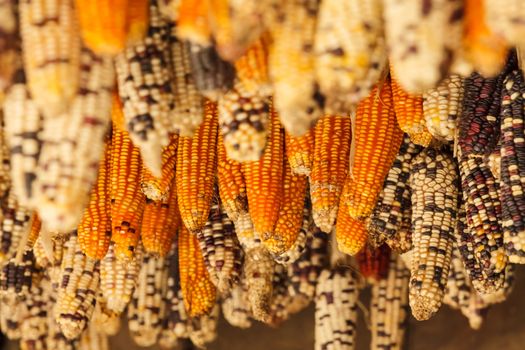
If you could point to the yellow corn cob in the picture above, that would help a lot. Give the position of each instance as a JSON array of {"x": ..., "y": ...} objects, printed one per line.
[
  {"x": 160, "y": 223},
  {"x": 127, "y": 201},
  {"x": 351, "y": 233},
  {"x": 51, "y": 50},
  {"x": 290, "y": 218},
  {"x": 292, "y": 66},
  {"x": 300, "y": 152},
  {"x": 34, "y": 232},
  {"x": 252, "y": 67},
  {"x": 157, "y": 188},
  {"x": 265, "y": 176},
  {"x": 10, "y": 47},
  {"x": 197, "y": 289},
  {"x": 350, "y": 51},
  {"x": 94, "y": 230},
  {"x": 107, "y": 26},
  {"x": 196, "y": 163},
  {"x": 377, "y": 140},
  {"x": 192, "y": 24},
  {"x": 329, "y": 168},
  {"x": 506, "y": 20},
  {"x": 409, "y": 114}
]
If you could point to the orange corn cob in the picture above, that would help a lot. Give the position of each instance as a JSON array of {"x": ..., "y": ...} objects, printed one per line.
[
  {"x": 94, "y": 229},
  {"x": 157, "y": 188},
  {"x": 409, "y": 114},
  {"x": 252, "y": 67},
  {"x": 377, "y": 141},
  {"x": 106, "y": 26},
  {"x": 350, "y": 233},
  {"x": 196, "y": 163},
  {"x": 160, "y": 223},
  {"x": 198, "y": 291},
  {"x": 330, "y": 166},
  {"x": 34, "y": 233},
  {"x": 485, "y": 49},
  {"x": 193, "y": 22},
  {"x": 290, "y": 215},
  {"x": 127, "y": 200},
  {"x": 300, "y": 152},
  {"x": 264, "y": 185}
]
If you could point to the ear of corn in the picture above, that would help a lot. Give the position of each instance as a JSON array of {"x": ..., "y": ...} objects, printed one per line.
[
  {"x": 505, "y": 20},
  {"x": 204, "y": 328},
  {"x": 281, "y": 304},
  {"x": 14, "y": 226},
  {"x": 329, "y": 168},
  {"x": 18, "y": 275},
  {"x": 51, "y": 53},
  {"x": 192, "y": 21},
  {"x": 375, "y": 120},
  {"x": 236, "y": 309},
  {"x": 34, "y": 327},
  {"x": 434, "y": 184},
  {"x": 300, "y": 152},
  {"x": 299, "y": 246},
  {"x": 196, "y": 163},
  {"x": 351, "y": 233},
  {"x": 292, "y": 66},
  {"x": 252, "y": 67},
  {"x": 258, "y": 279}
]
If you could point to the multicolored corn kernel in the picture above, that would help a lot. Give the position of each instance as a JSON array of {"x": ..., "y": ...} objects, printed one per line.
[{"x": 14, "y": 224}]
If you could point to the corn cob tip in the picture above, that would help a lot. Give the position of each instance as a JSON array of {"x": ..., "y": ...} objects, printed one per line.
[
  {"x": 325, "y": 218},
  {"x": 423, "y": 138},
  {"x": 152, "y": 191},
  {"x": 70, "y": 328},
  {"x": 423, "y": 308},
  {"x": 352, "y": 248}
]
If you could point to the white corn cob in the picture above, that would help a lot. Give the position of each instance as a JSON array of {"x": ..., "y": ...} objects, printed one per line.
[
  {"x": 258, "y": 274},
  {"x": 204, "y": 328},
  {"x": 236, "y": 308}
]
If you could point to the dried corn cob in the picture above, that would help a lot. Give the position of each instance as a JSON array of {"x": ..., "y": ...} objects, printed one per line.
[
  {"x": 434, "y": 185},
  {"x": 299, "y": 245},
  {"x": 350, "y": 50},
  {"x": 423, "y": 34},
  {"x": 5, "y": 162},
  {"x": 375, "y": 120},
  {"x": 300, "y": 152},
  {"x": 235, "y": 307},
  {"x": 144, "y": 80},
  {"x": 292, "y": 66},
  {"x": 394, "y": 200},
  {"x": 94, "y": 229},
  {"x": 458, "y": 291},
  {"x": 118, "y": 279},
  {"x": 18, "y": 275},
  {"x": 12, "y": 316},
  {"x": 10, "y": 43},
  {"x": 374, "y": 263},
  {"x": 14, "y": 226},
  {"x": 195, "y": 171},
  {"x": 79, "y": 282},
  {"x": 442, "y": 106},
  {"x": 73, "y": 146},
  {"x": 258, "y": 275},
  {"x": 204, "y": 328},
  {"x": 329, "y": 168},
  {"x": 105, "y": 321},
  {"x": 335, "y": 309},
  {"x": 409, "y": 113},
  {"x": 93, "y": 339},
  {"x": 34, "y": 231},
  {"x": 401, "y": 242},
  {"x": 147, "y": 308},
  {"x": 252, "y": 67},
  {"x": 243, "y": 119},
  {"x": 351, "y": 234},
  {"x": 506, "y": 20},
  {"x": 34, "y": 327},
  {"x": 281, "y": 306},
  {"x": 55, "y": 338},
  {"x": 157, "y": 188},
  {"x": 192, "y": 21},
  {"x": 48, "y": 255},
  {"x": 127, "y": 200},
  {"x": 107, "y": 27},
  {"x": 51, "y": 53},
  {"x": 197, "y": 288}
]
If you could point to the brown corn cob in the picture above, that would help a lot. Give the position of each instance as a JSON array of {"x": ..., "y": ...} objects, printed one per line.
[
  {"x": 351, "y": 234},
  {"x": 10, "y": 46},
  {"x": 409, "y": 114},
  {"x": 243, "y": 120},
  {"x": 192, "y": 21},
  {"x": 118, "y": 279},
  {"x": 300, "y": 152},
  {"x": 258, "y": 274},
  {"x": 14, "y": 226},
  {"x": 195, "y": 171},
  {"x": 329, "y": 168},
  {"x": 145, "y": 88},
  {"x": 266, "y": 176},
  {"x": 252, "y": 67},
  {"x": 442, "y": 106},
  {"x": 374, "y": 263},
  {"x": 300, "y": 244},
  {"x": 505, "y": 20},
  {"x": 375, "y": 120},
  {"x": 335, "y": 309},
  {"x": 107, "y": 27},
  {"x": 292, "y": 66},
  {"x": 94, "y": 229},
  {"x": 51, "y": 53},
  {"x": 77, "y": 291},
  {"x": 235, "y": 307},
  {"x": 197, "y": 288},
  {"x": 434, "y": 184},
  {"x": 147, "y": 308}
]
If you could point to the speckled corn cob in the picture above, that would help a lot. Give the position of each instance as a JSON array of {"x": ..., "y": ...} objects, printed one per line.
[
  {"x": 51, "y": 53},
  {"x": 236, "y": 309},
  {"x": 505, "y": 20},
  {"x": 423, "y": 38},
  {"x": 192, "y": 21},
  {"x": 512, "y": 167},
  {"x": 34, "y": 327},
  {"x": 197, "y": 288},
  {"x": 18, "y": 275},
  {"x": 434, "y": 184},
  {"x": 144, "y": 80},
  {"x": 409, "y": 113},
  {"x": 107, "y": 26},
  {"x": 389, "y": 307},
  {"x": 335, "y": 309},
  {"x": 458, "y": 291},
  {"x": 266, "y": 176},
  {"x": 12, "y": 316},
  {"x": 10, "y": 46},
  {"x": 187, "y": 111},
  {"x": 401, "y": 242},
  {"x": 281, "y": 304},
  {"x": 77, "y": 291},
  {"x": 258, "y": 275},
  {"x": 211, "y": 74},
  {"x": 15, "y": 220},
  {"x": 374, "y": 262},
  {"x": 55, "y": 338},
  {"x": 394, "y": 199},
  {"x": 118, "y": 279},
  {"x": 300, "y": 152},
  {"x": 196, "y": 163},
  {"x": 329, "y": 168},
  {"x": 299, "y": 245},
  {"x": 252, "y": 67},
  {"x": 442, "y": 106},
  {"x": 292, "y": 66},
  {"x": 351, "y": 234},
  {"x": 204, "y": 328},
  {"x": 147, "y": 308},
  {"x": 350, "y": 50}
]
